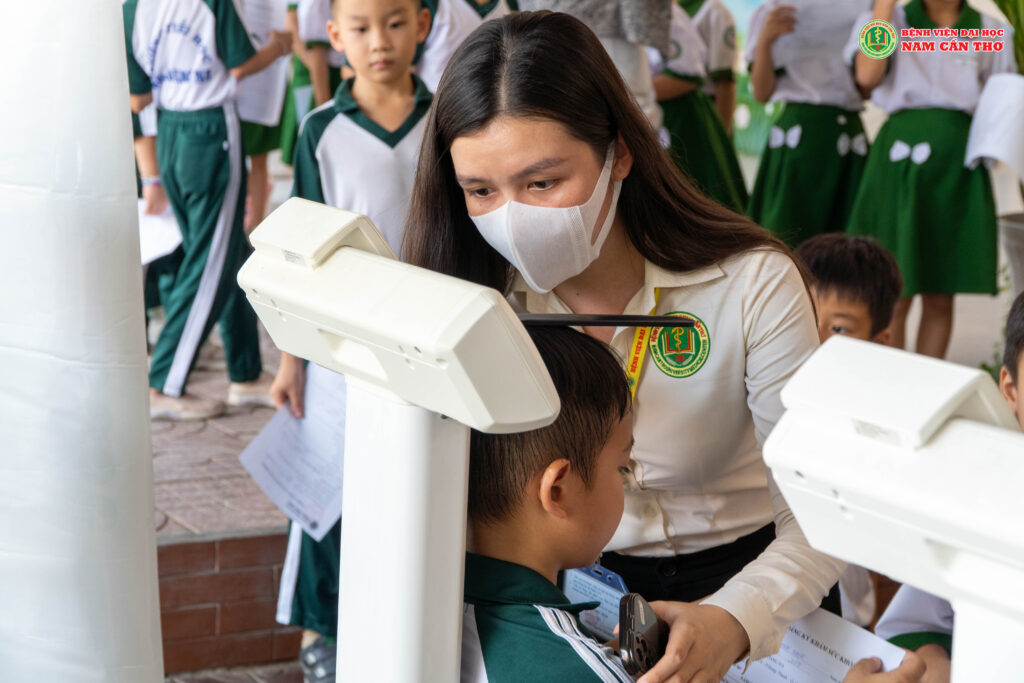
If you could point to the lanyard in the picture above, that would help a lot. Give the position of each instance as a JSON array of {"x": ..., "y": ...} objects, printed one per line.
[{"x": 638, "y": 352}]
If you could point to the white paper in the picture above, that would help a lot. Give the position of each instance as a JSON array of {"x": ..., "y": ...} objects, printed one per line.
[
  {"x": 997, "y": 130},
  {"x": 261, "y": 95},
  {"x": 821, "y": 26},
  {"x": 299, "y": 463},
  {"x": 158, "y": 234},
  {"x": 820, "y": 648}
]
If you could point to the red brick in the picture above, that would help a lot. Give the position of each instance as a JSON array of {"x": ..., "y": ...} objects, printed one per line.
[
  {"x": 255, "y": 551},
  {"x": 185, "y": 558},
  {"x": 191, "y": 622},
  {"x": 286, "y": 643},
  {"x": 247, "y": 616},
  {"x": 203, "y": 589},
  {"x": 217, "y": 651}
]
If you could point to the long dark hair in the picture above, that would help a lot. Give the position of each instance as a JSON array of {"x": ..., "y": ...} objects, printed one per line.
[{"x": 550, "y": 65}]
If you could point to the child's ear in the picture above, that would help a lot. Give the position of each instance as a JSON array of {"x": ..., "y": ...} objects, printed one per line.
[
  {"x": 423, "y": 21},
  {"x": 334, "y": 36},
  {"x": 883, "y": 337},
  {"x": 554, "y": 482},
  {"x": 1009, "y": 389}
]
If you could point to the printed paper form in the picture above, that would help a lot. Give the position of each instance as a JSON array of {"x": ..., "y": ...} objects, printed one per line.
[
  {"x": 261, "y": 95},
  {"x": 159, "y": 235},
  {"x": 299, "y": 463},
  {"x": 820, "y": 648},
  {"x": 821, "y": 26}
]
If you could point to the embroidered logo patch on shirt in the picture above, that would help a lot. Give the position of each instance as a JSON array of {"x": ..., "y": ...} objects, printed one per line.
[{"x": 681, "y": 351}]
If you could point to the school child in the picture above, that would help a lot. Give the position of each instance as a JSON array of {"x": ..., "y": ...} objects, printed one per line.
[
  {"x": 922, "y": 622},
  {"x": 358, "y": 152},
  {"x": 697, "y": 139},
  {"x": 717, "y": 28},
  {"x": 917, "y": 198},
  {"x": 814, "y": 157},
  {"x": 548, "y": 500},
  {"x": 187, "y": 56},
  {"x": 855, "y": 284},
  {"x": 324, "y": 62}
]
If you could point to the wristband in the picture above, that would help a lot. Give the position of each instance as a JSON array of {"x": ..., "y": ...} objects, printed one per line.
[{"x": 151, "y": 180}]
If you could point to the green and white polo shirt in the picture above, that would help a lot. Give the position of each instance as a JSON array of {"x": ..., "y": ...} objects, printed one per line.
[
  {"x": 717, "y": 28},
  {"x": 345, "y": 159},
  {"x": 493, "y": 9},
  {"x": 182, "y": 51},
  {"x": 517, "y": 626}
]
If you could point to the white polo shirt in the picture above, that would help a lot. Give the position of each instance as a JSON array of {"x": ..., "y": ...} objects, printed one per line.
[
  {"x": 706, "y": 401},
  {"x": 313, "y": 16},
  {"x": 687, "y": 53},
  {"x": 825, "y": 80},
  {"x": 717, "y": 28},
  {"x": 182, "y": 51},
  {"x": 492, "y": 9},
  {"x": 943, "y": 80},
  {"x": 451, "y": 22}
]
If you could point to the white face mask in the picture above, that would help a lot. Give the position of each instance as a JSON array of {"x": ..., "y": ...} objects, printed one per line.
[{"x": 549, "y": 245}]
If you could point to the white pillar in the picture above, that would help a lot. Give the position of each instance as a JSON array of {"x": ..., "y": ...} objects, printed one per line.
[
  {"x": 403, "y": 540},
  {"x": 78, "y": 588}
]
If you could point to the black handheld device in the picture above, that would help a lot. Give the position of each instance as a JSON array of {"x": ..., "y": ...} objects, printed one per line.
[{"x": 642, "y": 635}]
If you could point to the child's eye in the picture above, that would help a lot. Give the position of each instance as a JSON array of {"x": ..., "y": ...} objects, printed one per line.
[
  {"x": 360, "y": 29},
  {"x": 542, "y": 184},
  {"x": 626, "y": 471},
  {"x": 397, "y": 24},
  {"x": 839, "y": 329}
]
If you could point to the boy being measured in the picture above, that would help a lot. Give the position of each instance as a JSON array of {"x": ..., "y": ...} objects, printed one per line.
[{"x": 541, "y": 502}]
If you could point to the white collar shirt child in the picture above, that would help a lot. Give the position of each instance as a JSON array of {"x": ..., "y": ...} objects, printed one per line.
[
  {"x": 493, "y": 9},
  {"x": 451, "y": 22},
  {"x": 687, "y": 53},
  {"x": 182, "y": 51},
  {"x": 313, "y": 16},
  {"x": 824, "y": 80},
  {"x": 942, "y": 80},
  {"x": 706, "y": 401},
  {"x": 717, "y": 28},
  {"x": 346, "y": 160},
  {"x": 915, "y": 618}
]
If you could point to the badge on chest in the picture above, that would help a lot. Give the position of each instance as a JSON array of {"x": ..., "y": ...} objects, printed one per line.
[{"x": 681, "y": 351}]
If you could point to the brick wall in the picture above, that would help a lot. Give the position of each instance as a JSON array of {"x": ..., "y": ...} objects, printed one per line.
[{"x": 217, "y": 603}]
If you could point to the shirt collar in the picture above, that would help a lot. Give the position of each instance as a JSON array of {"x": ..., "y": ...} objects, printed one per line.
[
  {"x": 490, "y": 581},
  {"x": 345, "y": 104},
  {"x": 917, "y": 16},
  {"x": 655, "y": 277},
  {"x": 691, "y": 6}
]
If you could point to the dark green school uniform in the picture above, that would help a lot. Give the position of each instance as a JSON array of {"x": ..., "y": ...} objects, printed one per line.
[
  {"x": 518, "y": 626},
  {"x": 181, "y": 52}
]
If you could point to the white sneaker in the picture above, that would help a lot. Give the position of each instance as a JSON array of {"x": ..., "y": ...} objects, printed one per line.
[
  {"x": 183, "y": 408},
  {"x": 254, "y": 393}
]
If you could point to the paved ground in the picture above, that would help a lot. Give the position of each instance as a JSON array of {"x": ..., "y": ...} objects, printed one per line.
[{"x": 268, "y": 673}]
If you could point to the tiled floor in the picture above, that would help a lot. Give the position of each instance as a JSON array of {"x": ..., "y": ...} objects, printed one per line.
[
  {"x": 269, "y": 673},
  {"x": 200, "y": 487}
]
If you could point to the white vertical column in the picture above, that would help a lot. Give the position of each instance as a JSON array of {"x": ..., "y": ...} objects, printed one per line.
[
  {"x": 403, "y": 540},
  {"x": 78, "y": 587}
]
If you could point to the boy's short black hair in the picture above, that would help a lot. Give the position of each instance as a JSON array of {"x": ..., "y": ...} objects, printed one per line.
[
  {"x": 592, "y": 387},
  {"x": 1014, "y": 337},
  {"x": 856, "y": 268}
]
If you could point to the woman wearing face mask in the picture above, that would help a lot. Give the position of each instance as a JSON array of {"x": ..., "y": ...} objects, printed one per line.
[{"x": 549, "y": 184}]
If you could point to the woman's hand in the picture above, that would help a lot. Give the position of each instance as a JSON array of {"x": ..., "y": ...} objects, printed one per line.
[
  {"x": 780, "y": 21},
  {"x": 704, "y": 641},
  {"x": 867, "y": 671},
  {"x": 290, "y": 384}
]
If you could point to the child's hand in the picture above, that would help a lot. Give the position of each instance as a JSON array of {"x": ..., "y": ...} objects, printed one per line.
[
  {"x": 290, "y": 384},
  {"x": 155, "y": 199},
  {"x": 867, "y": 671},
  {"x": 283, "y": 39},
  {"x": 781, "y": 20},
  {"x": 703, "y": 642}
]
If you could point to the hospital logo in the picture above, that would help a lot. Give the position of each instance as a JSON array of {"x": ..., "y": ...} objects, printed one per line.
[
  {"x": 681, "y": 351},
  {"x": 878, "y": 39}
]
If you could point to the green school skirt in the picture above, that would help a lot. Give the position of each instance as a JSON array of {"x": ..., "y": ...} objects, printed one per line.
[
  {"x": 917, "y": 199},
  {"x": 702, "y": 149},
  {"x": 810, "y": 170},
  {"x": 260, "y": 139}
]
